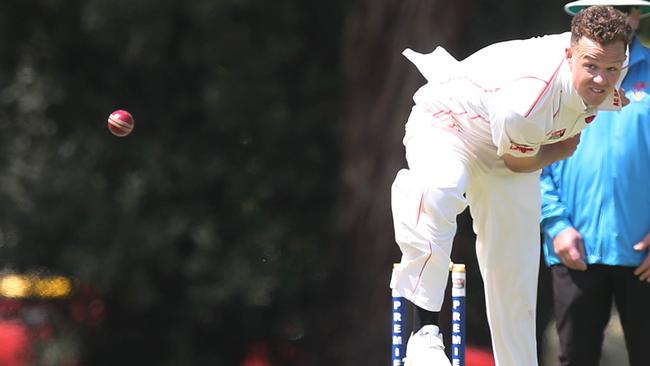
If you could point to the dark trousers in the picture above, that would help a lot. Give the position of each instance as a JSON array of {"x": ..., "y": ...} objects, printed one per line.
[{"x": 583, "y": 304}]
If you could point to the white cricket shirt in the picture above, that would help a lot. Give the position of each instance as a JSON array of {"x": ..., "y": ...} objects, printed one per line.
[{"x": 514, "y": 95}]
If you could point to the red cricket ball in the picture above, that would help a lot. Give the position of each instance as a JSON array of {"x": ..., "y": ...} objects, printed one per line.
[{"x": 120, "y": 123}]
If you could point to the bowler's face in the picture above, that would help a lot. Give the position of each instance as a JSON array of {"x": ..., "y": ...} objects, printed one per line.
[{"x": 595, "y": 68}]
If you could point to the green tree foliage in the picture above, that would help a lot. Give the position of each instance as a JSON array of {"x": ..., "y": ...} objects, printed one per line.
[
  {"x": 203, "y": 229},
  {"x": 250, "y": 204}
]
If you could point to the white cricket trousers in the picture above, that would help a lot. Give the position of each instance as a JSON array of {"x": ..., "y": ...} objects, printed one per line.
[{"x": 442, "y": 179}]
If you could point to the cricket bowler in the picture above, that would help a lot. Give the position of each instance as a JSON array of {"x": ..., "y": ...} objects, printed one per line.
[{"x": 478, "y": 134}]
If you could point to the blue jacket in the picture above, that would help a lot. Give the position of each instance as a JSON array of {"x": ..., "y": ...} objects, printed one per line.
[{"x": 603, "y": 190}]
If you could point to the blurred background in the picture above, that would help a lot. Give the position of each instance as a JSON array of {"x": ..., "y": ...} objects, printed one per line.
[{"x": 246, "y": 220}]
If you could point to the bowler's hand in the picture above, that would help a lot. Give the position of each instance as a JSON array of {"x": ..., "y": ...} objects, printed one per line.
[
  {"x": 565, "y": 148},
  {"x": 568, "y": 245},
  {"x": 643, "y": 271},
  {"x": 624, "y": 99}
]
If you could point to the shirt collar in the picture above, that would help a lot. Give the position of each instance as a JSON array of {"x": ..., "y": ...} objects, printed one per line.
[{"x": 570, "y": 96}]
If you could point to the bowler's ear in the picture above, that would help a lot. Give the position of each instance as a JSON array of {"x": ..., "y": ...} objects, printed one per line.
[{"x": 568, "y": 53}]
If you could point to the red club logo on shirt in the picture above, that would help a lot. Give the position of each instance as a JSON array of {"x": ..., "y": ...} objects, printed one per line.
[
  {"x": 589, "y": 119},
  {"x": 524, "y": 149},
  {"x": 554, "y": 135}
]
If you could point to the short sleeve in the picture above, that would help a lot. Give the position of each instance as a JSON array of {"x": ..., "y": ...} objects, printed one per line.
[{"x": 513, "y": 133}]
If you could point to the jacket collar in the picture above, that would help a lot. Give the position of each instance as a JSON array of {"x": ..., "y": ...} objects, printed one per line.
[{"x": 638, "y": 52}]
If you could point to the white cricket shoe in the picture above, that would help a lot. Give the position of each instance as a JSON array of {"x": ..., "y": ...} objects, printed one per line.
[{"x": 425, "y": 348}]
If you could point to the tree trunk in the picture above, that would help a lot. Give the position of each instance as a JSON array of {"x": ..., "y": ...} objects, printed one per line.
[{"x": 379, "y": 84}]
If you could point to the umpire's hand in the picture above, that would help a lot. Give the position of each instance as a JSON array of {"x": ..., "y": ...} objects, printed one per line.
[
  {"x": 568, "y": 245},
  {"x": 643, "y": 271}
]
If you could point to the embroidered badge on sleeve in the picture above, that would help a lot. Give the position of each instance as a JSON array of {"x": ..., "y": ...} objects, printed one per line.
[{"x": 554, "y": 135}]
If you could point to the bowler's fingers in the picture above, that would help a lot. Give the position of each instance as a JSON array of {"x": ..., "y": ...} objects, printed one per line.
[
  {"x": 624, "y": 99},
  {"x": 572, "y": 144}
]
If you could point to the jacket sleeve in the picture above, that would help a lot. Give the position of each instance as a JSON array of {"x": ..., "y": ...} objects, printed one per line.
[{"x": 555, "y": 215}]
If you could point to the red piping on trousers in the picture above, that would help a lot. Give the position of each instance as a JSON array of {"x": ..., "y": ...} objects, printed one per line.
[{"x": 417, "y": 284}]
